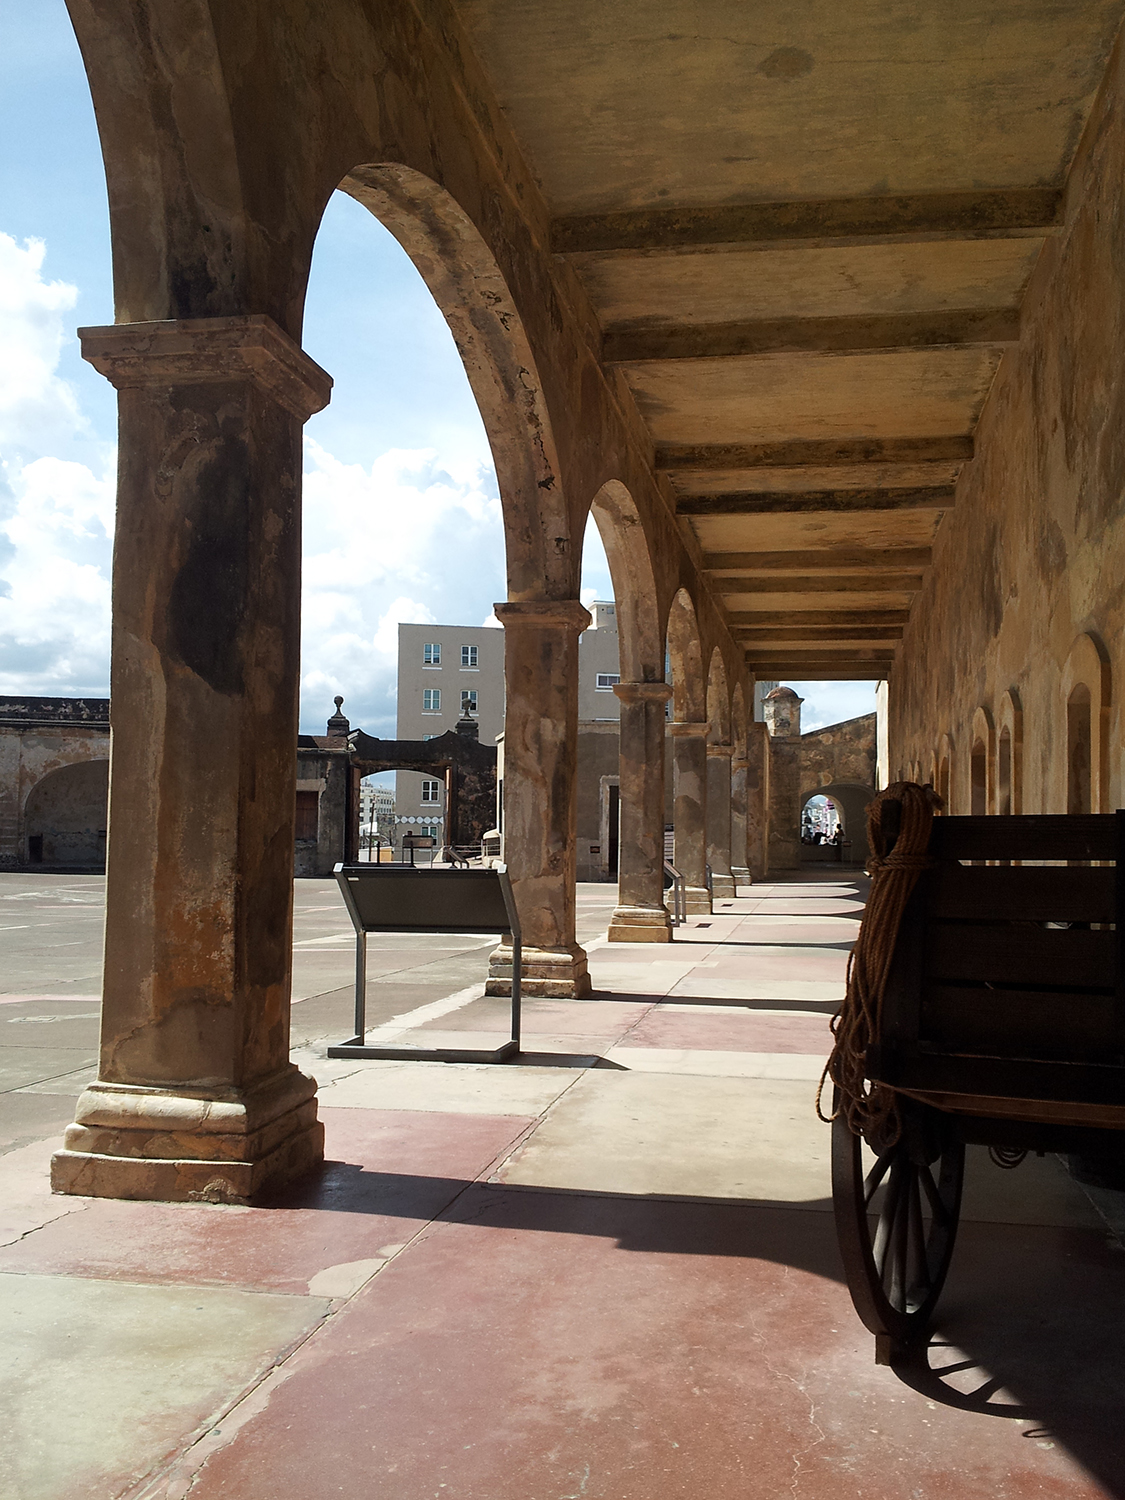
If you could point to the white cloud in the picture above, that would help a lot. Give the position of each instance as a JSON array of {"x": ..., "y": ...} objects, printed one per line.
[
  {"x": 56, "y": 515},
  {"x": 412, "y": 539},
  {"x": 36, "y": 406},
  {"x": 833, "y": 702}
]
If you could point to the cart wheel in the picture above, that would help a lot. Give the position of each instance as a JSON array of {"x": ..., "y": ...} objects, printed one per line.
[{"x": 897, "y": 1222}]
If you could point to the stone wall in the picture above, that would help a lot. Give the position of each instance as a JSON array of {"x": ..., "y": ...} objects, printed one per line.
[
  {"x": 46, "y": 793},
  {"x": 1024, "y": 603}
]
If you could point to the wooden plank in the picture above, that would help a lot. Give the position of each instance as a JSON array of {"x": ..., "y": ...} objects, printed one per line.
[
  {"x": 1091, "y": 836},
  {"x": 1058, "y": 1025},
  {"x": 815, "y": 502},
  {"x": 1023, "y": 954},
  {"x": 818, "y": 583},
  {"x": 863, "y": 333},
  {"x": 1032, "y": 893},
  {"x": 1001, "y": 1078},
  {"x": 802, "y": 453},
  {"x": 831, "y": 559},
  {"x": 821, "y": 617},
  {"x": 968, "y": 212}
]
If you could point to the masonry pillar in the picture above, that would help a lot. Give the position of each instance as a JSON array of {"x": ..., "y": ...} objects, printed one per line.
[
  {"x": 739, "y": 859},
  {"x": 757, "y": 799},
  {"x": 641, "y": 916},
  {"x": 196, "y": 1097},
  {"x": 782, "y": 709},
  {"x": 719, "y": 820},
  {"x": 540, "y": 805},
  {"x": 689, "y": 815}
]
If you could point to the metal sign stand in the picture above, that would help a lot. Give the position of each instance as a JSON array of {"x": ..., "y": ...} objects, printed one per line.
[{"x": 399, "y": 898}]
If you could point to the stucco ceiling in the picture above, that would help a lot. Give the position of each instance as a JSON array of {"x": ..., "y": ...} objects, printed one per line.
[{"x": 807, "y": 232}]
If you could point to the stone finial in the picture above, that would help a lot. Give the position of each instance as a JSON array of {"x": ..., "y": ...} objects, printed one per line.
[
  {"x": 338, "y": 725},
  {"x": 468, "y": 726},
  {"x": 782, "y": 710}
]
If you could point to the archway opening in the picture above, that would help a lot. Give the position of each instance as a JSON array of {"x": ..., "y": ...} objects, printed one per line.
[
  {"x": 65, "y": 817},
  {"x": 979, "y": 774},
  {"x": 822, "y": 821},
  {"x": 1004, "y": 775},
  {"x": 1079, "y": 747}
]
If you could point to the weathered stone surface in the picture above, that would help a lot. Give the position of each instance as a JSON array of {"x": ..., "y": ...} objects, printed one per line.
[{"x": 640, "y": 915}]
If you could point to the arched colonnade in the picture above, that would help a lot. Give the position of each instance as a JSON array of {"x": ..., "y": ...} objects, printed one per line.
[{"x": 222, "y": 149}]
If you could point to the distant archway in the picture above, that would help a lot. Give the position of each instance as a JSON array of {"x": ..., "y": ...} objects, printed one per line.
[
  {"x": 65, "y": 816},
  {"x": 850, "y": 800},
  {"x": 685, "y": 661}
]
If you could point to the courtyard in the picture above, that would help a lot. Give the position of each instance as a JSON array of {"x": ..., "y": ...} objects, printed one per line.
[{"x": 607, "y": 1272}]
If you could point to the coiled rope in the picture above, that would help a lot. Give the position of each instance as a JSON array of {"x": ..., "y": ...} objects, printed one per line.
[{"x": 871, "y": 1109}]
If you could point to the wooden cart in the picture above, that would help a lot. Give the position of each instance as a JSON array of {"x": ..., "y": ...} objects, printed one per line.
[{"x": 1003, "y": 1024}]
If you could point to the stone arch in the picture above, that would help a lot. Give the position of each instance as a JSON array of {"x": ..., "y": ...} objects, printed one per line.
[
  {"x": 685, "y": 658},
  {"x": 851, "y": 799},
  {"x": 982, "y": 764},
  {"x": 945, "y": 772},
  {"x": 718, "y": 700},
  {"x": 1083, "y": 785},
  {"x": 634, "y": 583},
  {"x": 65, "y": 816},
  {"x": 470, "y": 290},
  {"x": 1009, "y": 755}
]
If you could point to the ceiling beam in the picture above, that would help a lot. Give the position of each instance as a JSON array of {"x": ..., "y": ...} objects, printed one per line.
[
  {"x": 773, "y": 634},
  {"x": 819, "y": 617},
  {"x": 828, "y": 559},
  {"x": 786, "y": 502},
  {"x": 783, "y": 669},
  {"x": 818, "y": 453},
  {"x": 950, "y": 328},
  {"x": 966, "y": 214},
  {"x": 820, "y": 583}
]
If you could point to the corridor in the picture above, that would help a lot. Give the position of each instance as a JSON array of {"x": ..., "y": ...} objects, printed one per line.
[{"x": 609, "y": 1272}]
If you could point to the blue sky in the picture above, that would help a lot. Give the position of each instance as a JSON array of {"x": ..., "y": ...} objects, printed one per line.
[{"x": 402, "y": 517}]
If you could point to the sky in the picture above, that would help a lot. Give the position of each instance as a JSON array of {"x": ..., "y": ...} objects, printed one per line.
[{"x": 402, "y": 517}]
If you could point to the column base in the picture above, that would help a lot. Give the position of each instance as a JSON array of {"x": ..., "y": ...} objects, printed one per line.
[
  {"x": 549, "y": 973},
  {"x": 640, "y": 924},
  {"x": 697, "y": 900},
  {"x": 190, "y": 1145},
  {"x": 722, "y": 887},
  {"x": 741, "y": 876}
]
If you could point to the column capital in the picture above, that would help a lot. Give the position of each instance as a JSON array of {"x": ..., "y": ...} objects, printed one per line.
[
  {"x": 196, "y": 351},
  {"x": 717, "y": 750},
  {"x": 566, "y": 614},
  {"x": 643, "y": 692},
  {"x": 684, "y": 729},
  {"x": 739, "y": 763}
]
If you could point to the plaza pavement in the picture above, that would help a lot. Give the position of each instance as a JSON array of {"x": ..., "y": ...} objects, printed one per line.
[{"x": 608, "y": 1272}]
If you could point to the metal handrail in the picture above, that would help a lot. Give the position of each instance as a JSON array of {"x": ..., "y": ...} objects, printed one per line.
[{"x": 679, "y": 894}]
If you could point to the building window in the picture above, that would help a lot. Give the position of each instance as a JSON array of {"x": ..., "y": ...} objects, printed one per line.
[
  {"x": 430, "y": 791},
  {"x": 431, "y": 700},
  {"x": 468, "y": 700},
  {"x": 308, "y": 815},
  {"x": 431, "y": 654},
  {"x": 606, "y": 681},
  {"x": 430, "y": 831},
  {"x": 429, "y": 737},
  {"x": 468, "y": 656}
]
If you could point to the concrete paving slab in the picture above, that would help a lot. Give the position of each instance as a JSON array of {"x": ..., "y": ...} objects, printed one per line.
[
  {"x": 26, "y": 1117},
  {"x": 730, "y": 1030},
  {"x": 387, "y": 1174},
  {"x": 26, "y": 1200},
  {"x": 716, "y": 1064},
  {"x": 20, "y": 1066},
  {"x": 457, "y": 1088},
  {"x": 49, "y": 1023},
  {"x": 548, "y": 1347},
  {"x": 694, "y": 1136},
  {"x": 766, "y": 987},
  {"x": 101, "y": 1381}
]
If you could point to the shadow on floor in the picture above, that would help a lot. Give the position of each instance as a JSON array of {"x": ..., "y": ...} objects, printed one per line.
[{"x": 1029, "y": 1327}]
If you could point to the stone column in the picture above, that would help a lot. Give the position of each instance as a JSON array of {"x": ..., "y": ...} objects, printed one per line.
[
  {"x": 782, "y": 709},
  {"x": 196, "y": 1096},
  {"x": 739, "y": 858},
  {"x": 641, "y": 916},
  {"x": 689, "y": 816},
  {"x": 757, "y": 799},
  {"x": 540, "y": 804},
  {"x": 719, "y": 820}
]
